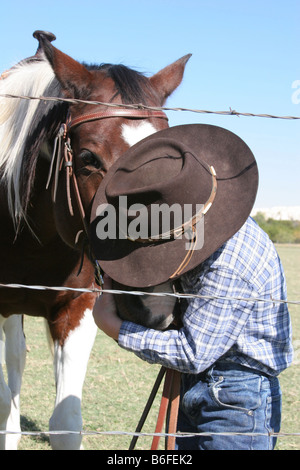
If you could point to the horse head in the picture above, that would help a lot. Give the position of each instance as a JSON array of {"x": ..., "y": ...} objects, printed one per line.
[{"x": 98, "y": 135}]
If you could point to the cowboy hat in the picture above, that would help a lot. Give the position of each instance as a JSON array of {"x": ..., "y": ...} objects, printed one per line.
[{"x": 206, "y": 172}]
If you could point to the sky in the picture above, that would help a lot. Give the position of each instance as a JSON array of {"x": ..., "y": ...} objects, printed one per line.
[{"x": 245, "y": 56}]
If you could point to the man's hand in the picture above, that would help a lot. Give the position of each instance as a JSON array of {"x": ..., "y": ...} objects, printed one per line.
[{"x": 105, "y": 312}]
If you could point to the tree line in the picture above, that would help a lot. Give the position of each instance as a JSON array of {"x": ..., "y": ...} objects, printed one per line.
[{"x": 279, "y": 231}]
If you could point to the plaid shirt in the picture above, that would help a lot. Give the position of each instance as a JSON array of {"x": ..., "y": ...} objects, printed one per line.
[{"x": 251, "y": 333}]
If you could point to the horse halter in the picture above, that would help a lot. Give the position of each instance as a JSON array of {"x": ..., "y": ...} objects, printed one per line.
[
  {"x": 63, "y": 155},
  {"x": 117, "y": 112}
]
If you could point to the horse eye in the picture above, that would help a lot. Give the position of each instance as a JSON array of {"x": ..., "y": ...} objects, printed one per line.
[{"x": 90, "y": 159}]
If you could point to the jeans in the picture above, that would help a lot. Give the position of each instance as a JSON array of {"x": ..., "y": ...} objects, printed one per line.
[{"x": 229, "y": 398}]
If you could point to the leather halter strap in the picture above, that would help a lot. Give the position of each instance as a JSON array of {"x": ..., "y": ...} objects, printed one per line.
[
  {"x": 168, "y": 410},
  {"x": 169, "y": 406},
  {"x": 117, "y": 112},
  {"x": 63, "y": 157},
  {"x": 63, "y": 152}
]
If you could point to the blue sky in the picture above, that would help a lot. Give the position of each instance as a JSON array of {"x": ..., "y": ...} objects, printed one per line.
[{"x": 246, "y": 55}]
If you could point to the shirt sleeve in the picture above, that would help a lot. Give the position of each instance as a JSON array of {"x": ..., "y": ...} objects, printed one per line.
[{"x": 210, "y": 328}]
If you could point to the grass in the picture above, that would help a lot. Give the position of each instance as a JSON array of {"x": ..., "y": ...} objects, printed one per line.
[
  {"x": 290, "y": 378},
  {"x": 115, "y": 392},
  {"x": 118, "y": 384}
]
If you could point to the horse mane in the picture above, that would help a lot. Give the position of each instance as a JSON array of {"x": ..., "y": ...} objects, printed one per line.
[
  {"x": 26, "y": 124},
  {"x": 19, "y": 120},
  {"x": 131, "y": 85}
]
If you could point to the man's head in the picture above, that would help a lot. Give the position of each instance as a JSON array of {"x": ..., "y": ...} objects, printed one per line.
[{"x": 170, "y": 201}]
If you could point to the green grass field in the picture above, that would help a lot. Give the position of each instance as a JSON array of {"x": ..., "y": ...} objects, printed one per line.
[{"x": 118, "y": 384}]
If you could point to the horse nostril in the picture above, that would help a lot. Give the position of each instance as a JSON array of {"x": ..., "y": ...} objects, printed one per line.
[{"x": 146, "y": 310}]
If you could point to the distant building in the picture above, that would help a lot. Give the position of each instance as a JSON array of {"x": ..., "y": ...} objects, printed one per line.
[{"x": 279, "y": 212}]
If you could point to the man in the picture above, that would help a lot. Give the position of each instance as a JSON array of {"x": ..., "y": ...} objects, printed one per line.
[{"x": 234, "y": 339}]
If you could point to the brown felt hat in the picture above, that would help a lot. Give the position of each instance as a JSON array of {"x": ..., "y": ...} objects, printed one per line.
[{"x": 205, "y": 173}]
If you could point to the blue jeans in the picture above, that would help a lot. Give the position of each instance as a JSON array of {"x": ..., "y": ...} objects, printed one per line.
[{"x": 229, "y": 398}]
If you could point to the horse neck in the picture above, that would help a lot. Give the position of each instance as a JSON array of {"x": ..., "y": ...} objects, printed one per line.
[{"x": 40, "y": 214}]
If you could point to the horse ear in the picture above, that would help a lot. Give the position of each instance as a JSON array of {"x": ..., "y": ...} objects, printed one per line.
[
  {"x": 73, "y": 76},
  {"x": 168, "y": 79}
]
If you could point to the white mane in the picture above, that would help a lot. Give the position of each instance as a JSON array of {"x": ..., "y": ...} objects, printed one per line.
[{"x": 25, "y": 79}]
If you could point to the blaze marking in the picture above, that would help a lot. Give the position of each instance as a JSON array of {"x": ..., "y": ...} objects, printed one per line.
[{"x": 134, "y": 133}]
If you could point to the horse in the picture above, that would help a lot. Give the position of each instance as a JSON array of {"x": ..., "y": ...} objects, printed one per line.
[{"x": 53, "y": 156}]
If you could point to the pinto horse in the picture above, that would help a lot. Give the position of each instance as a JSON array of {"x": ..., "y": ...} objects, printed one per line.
[{"x": 42, "y": 238}]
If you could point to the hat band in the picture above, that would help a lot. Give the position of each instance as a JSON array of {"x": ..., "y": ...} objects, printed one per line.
[
  {"x": 190, "y": 224},
  {"x": 187, "y": 257}
]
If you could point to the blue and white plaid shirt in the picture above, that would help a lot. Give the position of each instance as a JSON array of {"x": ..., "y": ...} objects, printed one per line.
[{"x": 251, "y": 333}]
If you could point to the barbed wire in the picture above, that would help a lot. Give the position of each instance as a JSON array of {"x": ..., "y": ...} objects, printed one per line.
[
  {"x": 178, "y": 295},
  {"x": 230, "y": 112},
  {"x": 147, "y": 434}
]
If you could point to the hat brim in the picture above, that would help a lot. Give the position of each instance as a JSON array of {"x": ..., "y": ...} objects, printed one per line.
[{"x": 141, "y": 265}]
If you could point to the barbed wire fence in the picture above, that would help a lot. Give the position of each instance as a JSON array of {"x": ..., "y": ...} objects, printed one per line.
[
  {"x": 148, "y": 434},
  {"x": 178, "y": 295},
  {"x": 230, "y": 112}
]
